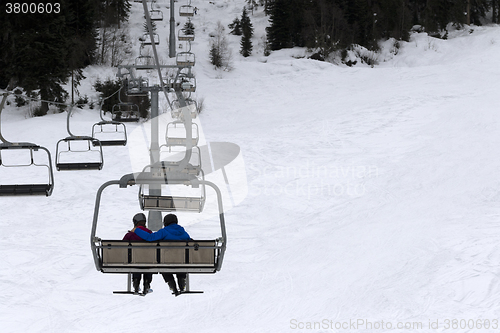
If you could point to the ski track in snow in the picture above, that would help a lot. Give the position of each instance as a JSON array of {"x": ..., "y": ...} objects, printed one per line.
[{"x": 372, "y": 194}]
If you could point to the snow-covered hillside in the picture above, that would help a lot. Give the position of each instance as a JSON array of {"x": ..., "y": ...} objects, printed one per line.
[{"x": 369, "y": 197}]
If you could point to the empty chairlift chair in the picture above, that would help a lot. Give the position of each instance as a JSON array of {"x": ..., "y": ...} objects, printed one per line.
[
  {"x": 185, "y": 59},
  {"x": 186, "y": 10},
  {"x": 109, "y": 133},
  {"x": 79, "y": 153},
  {"x": 144, "y": 62},
  {"x": 156, "y": 15},
  {"x": 146, "y": 39},
  {"x": 184, "y": 35},
  {"x": 172, "y": 154},
  {"x": 27, "y": 157},
  {"x": 177, "y": 111},
  {"x": 176, "y": 134},
  {"x": 172, "y": 197},
  {"x": 34, "y": 162}
]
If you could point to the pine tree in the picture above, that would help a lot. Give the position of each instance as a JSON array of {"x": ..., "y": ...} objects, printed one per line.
[
  {"x": 495, "y": 11},
  {"x": 35, "y": 54},
  {"x": 279, "y": 32},
  {"x": 113, "y": 12},
  {"x": 188, "y": 28},
  {"x": 247, "y": 31},
  {"x": 235, "y": 27},
  {"x": 220, "y": 54}
]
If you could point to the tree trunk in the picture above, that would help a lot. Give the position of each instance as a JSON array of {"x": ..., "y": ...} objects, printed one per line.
[
  {"x": 468, "y": 12},
  {"x": 495, "y": 12},
  {"x": 44, "y": 107}
]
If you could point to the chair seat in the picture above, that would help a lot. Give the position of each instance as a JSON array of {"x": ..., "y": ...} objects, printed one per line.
[
  {"x": 79, "y": 166},
  {"x": 26, "y": 189}
]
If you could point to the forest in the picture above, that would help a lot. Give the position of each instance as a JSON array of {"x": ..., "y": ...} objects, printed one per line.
[
  {"x": 332, "y": 25},
  {"x": 41, "y": 52}
]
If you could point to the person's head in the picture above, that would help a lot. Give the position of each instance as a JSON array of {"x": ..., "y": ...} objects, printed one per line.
[
  {"x": 139, "y": 219},
  {"x": 169, "y": 219}
]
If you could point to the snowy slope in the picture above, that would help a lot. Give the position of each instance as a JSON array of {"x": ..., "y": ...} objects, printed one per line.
[{"x": 372, "y": 196}]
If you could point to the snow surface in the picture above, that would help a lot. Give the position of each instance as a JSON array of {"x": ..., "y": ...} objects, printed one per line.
[{"x": 363, "y": 195}]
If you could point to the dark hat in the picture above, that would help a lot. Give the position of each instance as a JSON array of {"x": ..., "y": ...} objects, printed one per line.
[
  {"x": 139, "y": 217},
  {"x": 169, "y": 219}
]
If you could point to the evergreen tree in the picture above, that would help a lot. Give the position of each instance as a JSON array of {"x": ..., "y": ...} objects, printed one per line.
[
  {"x": 146, "y": 29},
  {"x": 247, "y": 30},
  {"x": 279, "y": 33},
  {"x": 188, "y": 28},
  {"x": 41, "y": 54},
  {"x": 235, "y": 27},
  {"x": 113, "y": 12},
  {"x": 220, "y": 54},
  {"x": 495, "y": 11},
  {"x": 35, "y": 54},
  {"x": 478, "y": 10}
]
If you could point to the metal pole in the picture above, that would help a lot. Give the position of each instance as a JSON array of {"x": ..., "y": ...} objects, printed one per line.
[
  {"x": 172, "y": 41},
  {"x": 4, "y": 98},
  {"x": 154, "y": 217}
]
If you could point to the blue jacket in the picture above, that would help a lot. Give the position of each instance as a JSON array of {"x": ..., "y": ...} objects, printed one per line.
[{"x": 170, "y": 232}]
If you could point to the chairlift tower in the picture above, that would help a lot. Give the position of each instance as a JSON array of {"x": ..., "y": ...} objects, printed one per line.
[
  {"x": 172, "y": 42},
  {"x": 140, "y": 88},
  {"x": 194, "y": 256}
]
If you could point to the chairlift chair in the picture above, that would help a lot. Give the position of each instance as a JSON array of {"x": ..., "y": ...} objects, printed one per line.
[
  {"x": 173, "y": 139},
  {"x": 186, "y": 10},
  {"x": 173, "y": 154},
  {"x": 190, "y": 257},
  {"x": 19, "y": 189},
  {"x": 126, "y": 112},
  {"x": 156, "y": 15},
  {"x": 193, "y": 201},
  {"x": 146, "y": 39},
  {"x": 109, "y": 133},
  {"x": 82, "y": 146},
  {"x": 188, "y": 84},
  {"x": 176, "y": 111},
  {"x": 137, "y": 87},
  {"x": 145, "y": 62},
  {"x": 185, "y": 59},
  {"x": 183, "y": 36}
]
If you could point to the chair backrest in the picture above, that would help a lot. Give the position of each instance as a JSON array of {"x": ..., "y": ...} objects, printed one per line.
[
  {"x": 142, "y": 253},
  {"x": 201, "y": 255},
  {"x": 113, "y": 254},
  {"x": 171, "y": 255},
  {"x": 120, "y": 253}
]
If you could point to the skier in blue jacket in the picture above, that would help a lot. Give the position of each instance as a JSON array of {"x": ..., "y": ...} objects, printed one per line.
[{"x": 170, "y": 231}]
